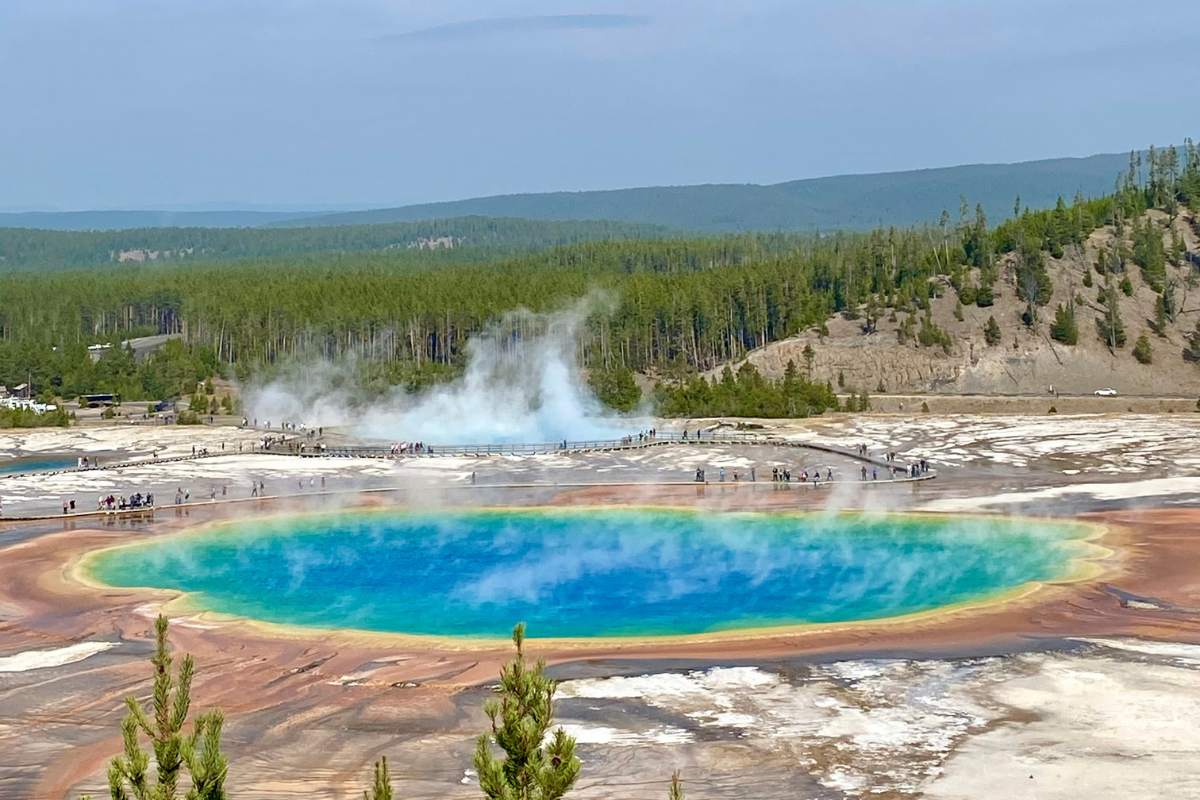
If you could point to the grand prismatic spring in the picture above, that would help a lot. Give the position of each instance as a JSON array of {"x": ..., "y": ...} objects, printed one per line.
[
  {"x": 1016, "y": 616},
  {"x": 592, "y": 572}
]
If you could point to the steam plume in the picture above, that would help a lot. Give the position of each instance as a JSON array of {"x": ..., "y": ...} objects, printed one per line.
[{"x": 521, "y": 383}]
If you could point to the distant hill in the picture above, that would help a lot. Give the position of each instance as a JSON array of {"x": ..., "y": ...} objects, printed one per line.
[
  {"x": 417, "y": 243},
  {"x": 852, "y": 202},
  {"x": 841, "y": 202},
  {"x": 125, "y": 220}
]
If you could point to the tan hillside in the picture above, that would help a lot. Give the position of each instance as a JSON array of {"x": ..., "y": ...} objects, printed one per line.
[{"x": 1035, "y": 363}]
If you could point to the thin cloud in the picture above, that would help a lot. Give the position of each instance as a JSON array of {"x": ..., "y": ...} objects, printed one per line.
[{"x": 498, "y": 26}]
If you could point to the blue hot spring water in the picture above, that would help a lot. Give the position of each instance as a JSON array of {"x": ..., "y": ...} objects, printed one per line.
[
  {"x": 36, "y": 464},
  {"x": 590, "y": 572}
]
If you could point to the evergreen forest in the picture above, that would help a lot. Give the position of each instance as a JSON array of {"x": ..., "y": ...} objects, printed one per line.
[{"x": 668, "y": 308}]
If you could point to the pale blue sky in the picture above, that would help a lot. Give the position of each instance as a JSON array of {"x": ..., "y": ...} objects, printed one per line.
[{"x": 326, "y": 103}]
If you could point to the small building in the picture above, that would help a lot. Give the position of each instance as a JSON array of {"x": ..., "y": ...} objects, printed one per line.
[
  {"x": 21, "y": 390},
  {"x": 3, "y": 390}
]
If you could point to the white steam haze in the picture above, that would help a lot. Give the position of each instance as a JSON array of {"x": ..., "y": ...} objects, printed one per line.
[{"x": 521, "y": 384}]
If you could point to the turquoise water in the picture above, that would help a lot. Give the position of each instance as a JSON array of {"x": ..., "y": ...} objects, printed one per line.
[
  {"x": 590, "y": 572},
  {"x": 36, "y": 464}
]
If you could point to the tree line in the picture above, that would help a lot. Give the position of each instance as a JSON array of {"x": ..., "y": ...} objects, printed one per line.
[
  {"x": 668, "y": 307},
  {"x": 429, "y": 242}
]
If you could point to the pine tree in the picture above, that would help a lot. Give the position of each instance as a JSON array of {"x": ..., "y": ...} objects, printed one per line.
[
  {"x": 1160, "y": 316},
  {"x": 1192, "y": 351},
  {"x": 1109, "y": 326},
  {"x": 1142, "y": 351},
  {"x": 991, "y": 332},
  {"x": 521, "y": 720},
  {"x": 676, "y": 787},
  {"x": 1064, "y": 329},
  {"x": 382, "y": 790},
  {"x": 199, "y": 751},
  {"x": 809, "y": 354}
]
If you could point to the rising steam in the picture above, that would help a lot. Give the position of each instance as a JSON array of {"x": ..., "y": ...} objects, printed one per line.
[{"x": 521, "y": 384}]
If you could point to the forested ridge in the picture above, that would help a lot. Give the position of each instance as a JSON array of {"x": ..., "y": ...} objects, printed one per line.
[
  {"x": 426, "y": 243},
  {"x": 839, "y": 202},
  {"x": 668, "y": 307}
]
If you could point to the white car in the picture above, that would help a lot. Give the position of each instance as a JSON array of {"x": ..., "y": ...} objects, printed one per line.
[{"x": 1107, "y": 392}]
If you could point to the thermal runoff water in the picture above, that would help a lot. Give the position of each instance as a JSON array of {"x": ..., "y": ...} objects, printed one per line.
[{"x": 591, "y": 572}]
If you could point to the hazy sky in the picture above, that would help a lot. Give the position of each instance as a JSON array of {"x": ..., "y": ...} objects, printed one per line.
[{"x": 323, "y": 103}]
